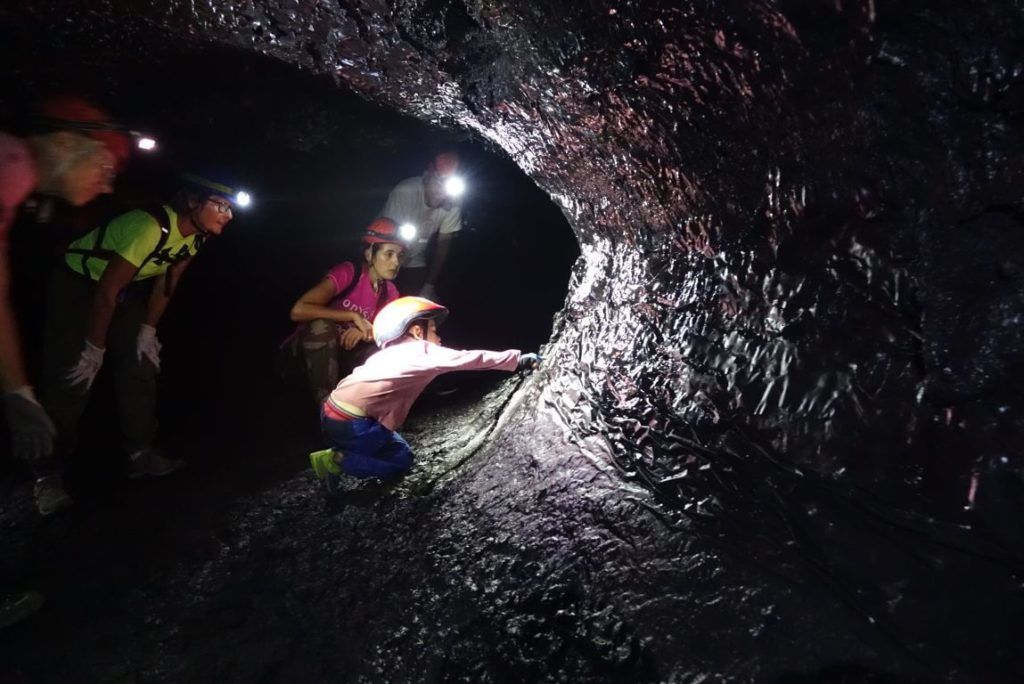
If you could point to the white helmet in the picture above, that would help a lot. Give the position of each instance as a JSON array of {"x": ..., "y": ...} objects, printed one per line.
[{"x": 393, "y": 320}]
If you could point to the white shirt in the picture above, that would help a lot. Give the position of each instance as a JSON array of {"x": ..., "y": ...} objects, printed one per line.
[{"x": 406, "y": 204}]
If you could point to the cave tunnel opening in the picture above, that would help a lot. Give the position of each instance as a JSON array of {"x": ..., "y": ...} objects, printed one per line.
[{"x": 319, "y": 162}]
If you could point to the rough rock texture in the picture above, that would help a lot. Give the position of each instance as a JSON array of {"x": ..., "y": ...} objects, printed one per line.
[{"x": 791, "y": 352}]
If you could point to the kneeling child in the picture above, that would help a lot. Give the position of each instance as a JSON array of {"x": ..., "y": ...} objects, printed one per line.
[{"x": 361, "y": 415}]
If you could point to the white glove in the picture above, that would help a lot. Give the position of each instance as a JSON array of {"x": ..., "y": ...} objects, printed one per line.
[
  {"x": 428, "y": 292},
  {"x": 32, "y": 431},
  {"x": 147, "y": 345},
  {"x": 88, "y": 365}
]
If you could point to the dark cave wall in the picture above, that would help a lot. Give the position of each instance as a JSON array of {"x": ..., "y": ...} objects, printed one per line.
[
  {"x": 800, "y": 220},
  {"x": 801, "y": 248}
]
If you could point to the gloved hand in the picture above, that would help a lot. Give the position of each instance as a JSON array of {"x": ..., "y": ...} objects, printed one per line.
[
  {"x": 32, "y": 431},
  {"x": 147, "y": 345},
  {"x": 88, "y": 365},
  {"x": 529, "y": 362},
  {"x": 428, "y": 291}
]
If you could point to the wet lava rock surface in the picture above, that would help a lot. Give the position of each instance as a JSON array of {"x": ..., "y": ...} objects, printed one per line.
[{"x": 790, "y": 346}]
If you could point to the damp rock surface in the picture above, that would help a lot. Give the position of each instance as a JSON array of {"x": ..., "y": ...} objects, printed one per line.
[{"x": 779, "y": 429}]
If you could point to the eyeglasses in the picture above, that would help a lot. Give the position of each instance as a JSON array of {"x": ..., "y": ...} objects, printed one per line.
[{"x": 222, "y": 207}]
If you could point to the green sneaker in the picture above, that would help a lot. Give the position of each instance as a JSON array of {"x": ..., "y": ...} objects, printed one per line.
[{"x": 323, "y": 464}]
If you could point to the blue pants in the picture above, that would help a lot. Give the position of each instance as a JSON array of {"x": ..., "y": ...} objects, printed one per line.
[{"x": 371, "y": 450}]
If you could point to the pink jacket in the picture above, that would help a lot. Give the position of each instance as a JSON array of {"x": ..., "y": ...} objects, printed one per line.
[{"x": 386, "y": 386}]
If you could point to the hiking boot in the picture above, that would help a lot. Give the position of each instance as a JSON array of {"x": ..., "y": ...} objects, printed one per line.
[
  {"x": 323, "y": 463},
  {"x": 327, "y": 469},
  {"x": 16, "y": 607},
  {"x": 151, "y": 463},
  {"x": 50, "y": 495}
]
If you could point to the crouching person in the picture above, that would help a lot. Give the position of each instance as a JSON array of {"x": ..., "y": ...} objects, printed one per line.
[
  {"x": 105, "y": 302},
  {"x": 361, "y": 415},
  {"x": 335, "y": 332}
]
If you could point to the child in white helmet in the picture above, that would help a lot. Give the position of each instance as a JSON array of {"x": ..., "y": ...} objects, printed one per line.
[{"x": 361, "y": 415}]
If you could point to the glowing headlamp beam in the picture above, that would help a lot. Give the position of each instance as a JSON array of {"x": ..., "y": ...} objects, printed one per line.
[
  {"x": 146, "y": 143},
  {"x": 243, "y": 199},
  {"x": 407, "y": 232},
  {"x": 454, "y": 186}
]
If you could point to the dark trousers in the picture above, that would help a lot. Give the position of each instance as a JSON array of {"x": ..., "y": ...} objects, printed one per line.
[
  {"x": 369, "y": 448},
  {"x": 66, "y": 325},
  {"x": 315, "y": 355}
]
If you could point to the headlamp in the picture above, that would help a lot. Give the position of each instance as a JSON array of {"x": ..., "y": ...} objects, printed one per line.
[
  {"x": 407, "y": 232},
  {"x": 142, "y": 141},
  {"x": 243, "y": 199},
  {"x": 454, "y": 186}
]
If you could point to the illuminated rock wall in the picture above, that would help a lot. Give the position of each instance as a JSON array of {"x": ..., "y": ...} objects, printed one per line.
[{"x": 795, "y": 325}]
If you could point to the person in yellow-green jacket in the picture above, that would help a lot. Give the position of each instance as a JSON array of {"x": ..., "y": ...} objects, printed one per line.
[{"x": 106, "y": 300}]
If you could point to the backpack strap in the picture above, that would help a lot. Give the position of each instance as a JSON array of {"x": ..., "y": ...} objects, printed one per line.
[
  {"x": 159, "y": 214},
  {"x": 382, "y": 297},
  {"x": 382, "y": 293},
  {"x": 347, "y": 290},
  {"x": 163, "y": 220},
  {"x": 98, "y": 251}
]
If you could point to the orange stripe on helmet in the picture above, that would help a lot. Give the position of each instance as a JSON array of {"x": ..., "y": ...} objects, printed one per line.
[{"x": 392, "y": 322}]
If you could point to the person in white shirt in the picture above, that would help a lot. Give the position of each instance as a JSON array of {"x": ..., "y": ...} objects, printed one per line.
[{"x": 429, "y": 203}]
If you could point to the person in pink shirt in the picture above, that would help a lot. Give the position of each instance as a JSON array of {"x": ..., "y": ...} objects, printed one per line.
[
  {"x": 335, "y": 332},
  {"x": 362, "y": 414}
]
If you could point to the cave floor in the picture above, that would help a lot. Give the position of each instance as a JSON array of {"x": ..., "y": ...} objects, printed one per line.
[{"x": 525, "y": 559}]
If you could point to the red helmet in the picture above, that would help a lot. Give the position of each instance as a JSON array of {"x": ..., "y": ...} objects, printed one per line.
[
  {"x": 394, "y": 319},
  {"x": 73, "y": 113},
  {"x": 444, "y": 164},
  {"x": 381, "y": 230}
]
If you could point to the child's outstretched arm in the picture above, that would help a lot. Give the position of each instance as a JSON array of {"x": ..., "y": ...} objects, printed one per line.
[{"x": 444, "y": 359}]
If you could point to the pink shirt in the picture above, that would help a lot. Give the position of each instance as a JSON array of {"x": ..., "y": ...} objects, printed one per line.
[
  {"x": 362, "y": 298},
  {"x": 386, "y": 386},
  {"x": 17, "y": 179}
]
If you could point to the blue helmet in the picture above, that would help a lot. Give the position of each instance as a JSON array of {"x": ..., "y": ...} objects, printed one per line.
[{"x": 212, "y": 188}]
